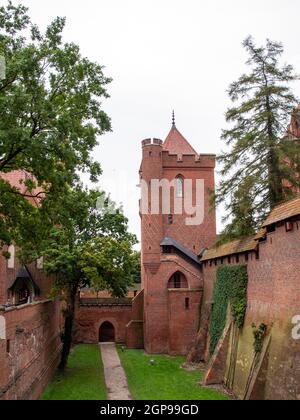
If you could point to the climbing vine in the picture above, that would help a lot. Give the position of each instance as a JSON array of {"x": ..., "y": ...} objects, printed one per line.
[{"x": 230, "y": 287}]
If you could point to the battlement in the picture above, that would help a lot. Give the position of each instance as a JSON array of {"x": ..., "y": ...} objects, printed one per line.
[
  {"x": 152, "y": 142},
  {"x": 192, "y": 161}
]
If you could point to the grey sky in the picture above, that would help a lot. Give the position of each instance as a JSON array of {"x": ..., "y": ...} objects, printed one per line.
[{"x": 165, "y": 54}]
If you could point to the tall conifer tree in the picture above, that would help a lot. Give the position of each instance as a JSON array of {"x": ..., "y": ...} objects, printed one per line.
[{"x": 257, "y": 146}]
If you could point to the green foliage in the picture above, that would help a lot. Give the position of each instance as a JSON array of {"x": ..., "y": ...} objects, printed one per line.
[
  {"x": 51, "y": 116},
  {"x": 242, "y": 212},
  {"x": 230, "y": 288},
  {"x": 163, "y": 379},
  {"x": 259, "y": 335},
  {"x": 84, "y": 379},
  {"x": 107, "y": 264},
  {"x": 254, "y": 164},
  {"x": 136, "y": 267},
  {"x": 86, "y": 245}
]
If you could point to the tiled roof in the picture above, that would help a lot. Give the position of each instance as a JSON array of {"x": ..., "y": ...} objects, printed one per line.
[
  {"x": 171, "y": 242},
  {"x": 24, "y": 274},
  {"x": 261, "y": 233},
  {"x": 231, "y": 248},
  {"x": 283, "y": 211},
  {"x": 176, "y": 144}
]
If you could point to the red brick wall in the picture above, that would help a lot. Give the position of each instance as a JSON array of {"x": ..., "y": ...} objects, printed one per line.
[
  {"x": 135, "y": 335},
  {"x": 90, "y": 319},
  {"x": 196, "y": 237},
  {"x": 135, "y": 328},
  {"x": 33, "y": 334},
  {"x": 8, "y": 277},
  {"x": 183, "y": 321},
  {"x": 273, "y": 299},
  {"x": 158, "y": 313},
  {"x": 162, "y": 312},
  {"x": 34, "y": 350}
]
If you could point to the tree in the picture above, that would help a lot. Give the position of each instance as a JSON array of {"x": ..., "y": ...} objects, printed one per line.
[
  {"x": 86, "y": 247},
  {"x": 257, "y": 148},
  {"x": 51, "y": 114},
  {"x": 242, "y": 222},
  {"x": 136, "y": 269}
]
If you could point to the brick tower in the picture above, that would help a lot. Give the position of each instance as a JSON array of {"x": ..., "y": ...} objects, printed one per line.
[{"x": 172, "y": 241}]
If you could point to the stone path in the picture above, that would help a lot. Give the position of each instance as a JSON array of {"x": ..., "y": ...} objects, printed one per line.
[{"x": 116, "y": 382}]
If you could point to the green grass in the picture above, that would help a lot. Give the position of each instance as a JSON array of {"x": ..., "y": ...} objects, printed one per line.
[
  {"x": 83, "y": 380},
  {"x": 165, "y": 380}
]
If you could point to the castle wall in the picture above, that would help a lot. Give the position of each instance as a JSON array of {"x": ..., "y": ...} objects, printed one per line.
[
  {"x": 127, "y": 320},
  {"x": 135, "y": 328},
  {"x": 273, "y": 299},
  {"x": 30, "y": 348},
  {"x": 90, "y": 318},
  {"x": 169, "y": 327},
  {"x": 30, "y": 341}
]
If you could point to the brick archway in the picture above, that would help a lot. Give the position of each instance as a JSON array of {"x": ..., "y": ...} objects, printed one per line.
[
  {"x": 178, "y": 281},
  {"x": 107, "y": 333}
]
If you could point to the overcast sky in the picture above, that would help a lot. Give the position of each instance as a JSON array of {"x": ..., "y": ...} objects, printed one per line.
[{"x": 164, "y": 55}]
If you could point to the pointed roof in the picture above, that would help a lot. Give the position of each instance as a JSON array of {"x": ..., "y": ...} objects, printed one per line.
[
  {"x": 24, "y": 274},
  {"x": 176, "y": 144}
]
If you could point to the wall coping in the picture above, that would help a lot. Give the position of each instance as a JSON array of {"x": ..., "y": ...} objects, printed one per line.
[{"x": 27, "y": 305}]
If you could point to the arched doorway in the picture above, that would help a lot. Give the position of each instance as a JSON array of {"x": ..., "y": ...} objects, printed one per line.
[{"x": 107, "y": 333}]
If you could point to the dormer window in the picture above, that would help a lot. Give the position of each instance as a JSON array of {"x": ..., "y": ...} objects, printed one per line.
[{"x": 24, "y": 289}]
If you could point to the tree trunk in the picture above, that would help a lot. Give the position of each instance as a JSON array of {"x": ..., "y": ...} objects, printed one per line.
[
  {"x": 69, "y": 315},
  {"x": 274, "y": 177}
]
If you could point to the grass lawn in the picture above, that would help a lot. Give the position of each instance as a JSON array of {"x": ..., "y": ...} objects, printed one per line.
[
  {"x": 83, "y": 380},
  {"x": 165, "y": 380}
]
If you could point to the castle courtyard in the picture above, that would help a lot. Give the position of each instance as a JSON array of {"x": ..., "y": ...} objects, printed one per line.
[{"x": 150, "y": 377}]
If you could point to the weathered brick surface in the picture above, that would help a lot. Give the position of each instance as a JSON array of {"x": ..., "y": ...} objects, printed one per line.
[
  {"x": 273, "y": 299},
  {"x": 90, "y": 319},
  {"x": 135, "y": 335},
  {"x": 8, "y": 277},
  {"x": 183, "y": 322},
  {"x": 33, "y": 342},
  {"x": 168, "y": 326},
  {"x": 127, "y": 322},
  {"x": 30, "y": 341}
]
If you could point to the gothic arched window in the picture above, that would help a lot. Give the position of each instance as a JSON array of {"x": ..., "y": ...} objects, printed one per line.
[
  {"x": 11, "y": 260},
  {"x": 179, "y": 187},
  {"x": 178, "y": 281}
]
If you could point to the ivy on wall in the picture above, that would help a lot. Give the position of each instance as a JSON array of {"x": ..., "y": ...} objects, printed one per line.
[{"x": 230, "y": 287}]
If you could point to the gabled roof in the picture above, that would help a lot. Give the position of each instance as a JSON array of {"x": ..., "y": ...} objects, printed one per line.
[
  {"x": 231, "y": 248},
  {"x": 171, "y": 242},
  {"x": 283, "y": 212},
  {"x": 176, "y": 144},
  {"x": 24, "y": 274}
]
